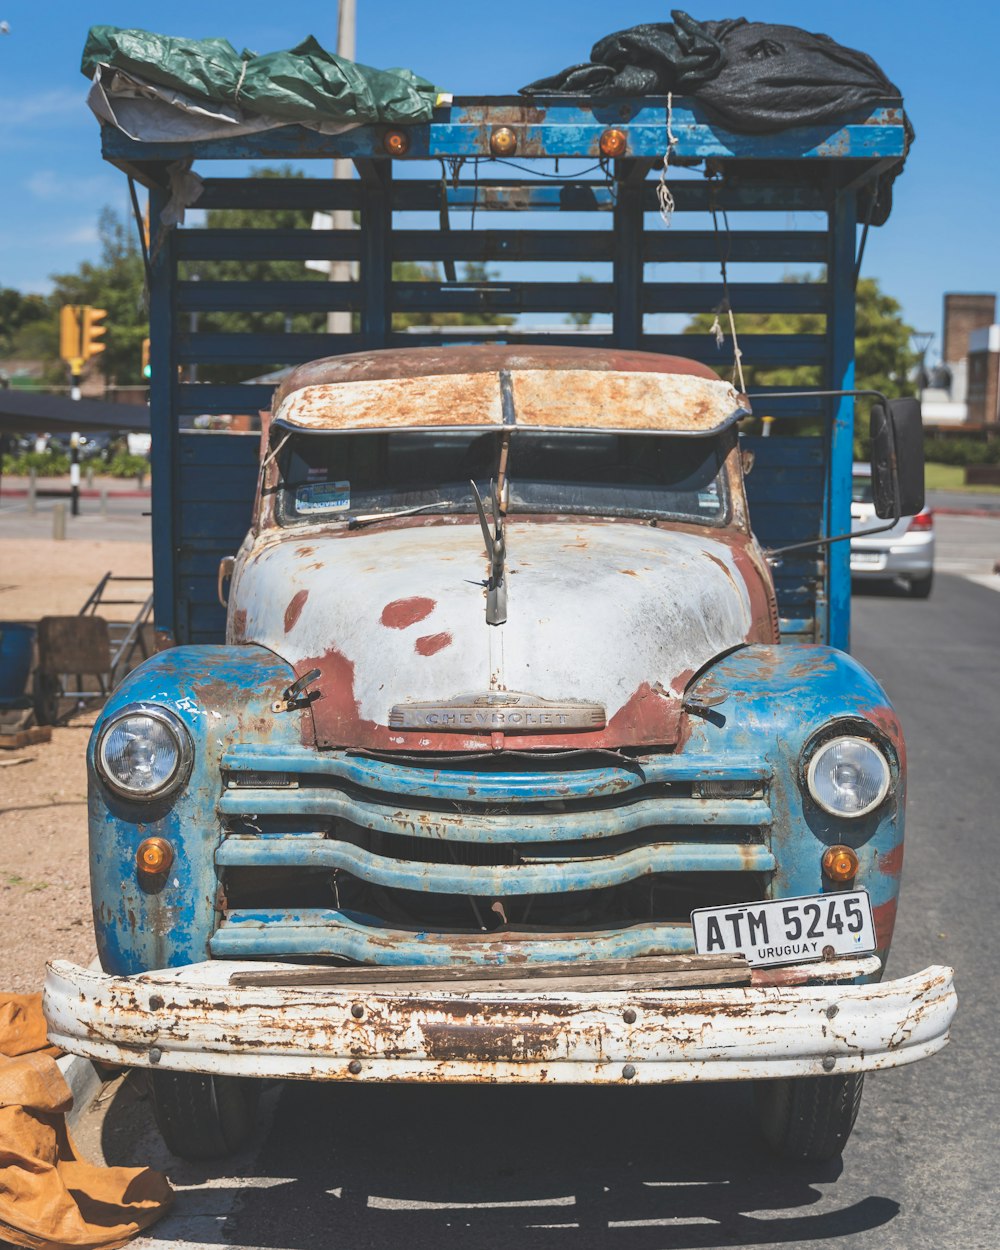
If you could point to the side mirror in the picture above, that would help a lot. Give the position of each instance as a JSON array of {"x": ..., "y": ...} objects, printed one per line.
[{"x": 897, "y": 440}]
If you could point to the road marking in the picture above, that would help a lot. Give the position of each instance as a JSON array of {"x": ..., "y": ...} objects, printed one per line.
[{"x": 990, "y": 580}]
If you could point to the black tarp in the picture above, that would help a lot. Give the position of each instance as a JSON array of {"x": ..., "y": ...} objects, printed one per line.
[{"x": 750, "y": 77}]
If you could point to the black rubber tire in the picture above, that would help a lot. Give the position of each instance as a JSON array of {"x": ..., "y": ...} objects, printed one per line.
[
  {"x": 46, "y": 692},
  {"x": 203, "y": 1117},
  {"x": 920, "y": 587},
  {"x": 809, "y": 1118}
]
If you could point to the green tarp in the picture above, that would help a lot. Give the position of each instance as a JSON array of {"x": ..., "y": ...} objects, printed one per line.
[{"x": 303, "y": 84}]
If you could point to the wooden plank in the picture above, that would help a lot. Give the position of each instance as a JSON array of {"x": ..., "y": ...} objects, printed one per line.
[
  {"x": 587, "y": 972},
  {"x": 256, "y": 245}
]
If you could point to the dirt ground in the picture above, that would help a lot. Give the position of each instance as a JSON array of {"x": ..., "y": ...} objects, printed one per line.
[{"x": 44, "y": 888}]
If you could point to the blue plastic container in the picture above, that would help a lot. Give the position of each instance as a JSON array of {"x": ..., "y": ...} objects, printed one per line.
[{"x": 17, "y": 644}]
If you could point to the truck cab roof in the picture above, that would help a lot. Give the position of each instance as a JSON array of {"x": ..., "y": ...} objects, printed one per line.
[{"x": 489, "y": 385}]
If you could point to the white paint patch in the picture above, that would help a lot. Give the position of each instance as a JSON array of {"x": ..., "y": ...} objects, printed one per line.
[{"x": 595, "y": 610}]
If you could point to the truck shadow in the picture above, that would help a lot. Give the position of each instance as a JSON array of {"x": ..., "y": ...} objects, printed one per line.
[{"x": 635, "y": 1168}]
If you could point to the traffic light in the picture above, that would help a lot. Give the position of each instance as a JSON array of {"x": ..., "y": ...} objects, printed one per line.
[
  {"x": 71, "y": 336},
  {"x": 90, "y": 343},
  {"x": 146, "y": 371}
]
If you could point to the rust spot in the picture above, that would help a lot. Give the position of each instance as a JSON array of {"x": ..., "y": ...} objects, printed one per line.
[
  {"x": 404, "y": 612},
  {"x": 885, "y": 921},
  {"x": 431, "y": 644},
  {"x": 240, "y": 625},
  {"x": 891, "y": 863},
  {"x": 629, "y": 572},
  {"x": 294, "y": 609}
]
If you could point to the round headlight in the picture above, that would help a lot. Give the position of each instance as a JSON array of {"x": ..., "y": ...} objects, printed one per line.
[
  {"x": 144, "y": 753},
  {"x": 848, "y": 776}
]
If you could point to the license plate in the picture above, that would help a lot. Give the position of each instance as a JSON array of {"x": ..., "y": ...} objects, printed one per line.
[
  {"x": 788, "y": 930},
  {"x": 859, "y": 558}
]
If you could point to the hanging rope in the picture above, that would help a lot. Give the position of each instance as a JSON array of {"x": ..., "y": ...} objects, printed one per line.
[
  {"x": 726, "y": 305},
  {"x": 664, "y": 196}
]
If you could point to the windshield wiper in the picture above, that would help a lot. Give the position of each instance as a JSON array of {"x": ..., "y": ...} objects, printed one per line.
[
  {"x": 496, "y": 549},
  {"x": 369, "y": 518}
]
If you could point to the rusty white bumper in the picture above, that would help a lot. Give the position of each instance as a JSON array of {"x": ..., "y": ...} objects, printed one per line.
[{"x": 190, "y": 1019}]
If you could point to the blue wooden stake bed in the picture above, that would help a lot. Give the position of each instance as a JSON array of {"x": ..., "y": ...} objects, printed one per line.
[{"x": 801, "y": 486}]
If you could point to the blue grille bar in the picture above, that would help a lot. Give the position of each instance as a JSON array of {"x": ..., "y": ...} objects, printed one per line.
[
  {"x": 326, "y": 932},
  {"x": 553, "y": 876}
]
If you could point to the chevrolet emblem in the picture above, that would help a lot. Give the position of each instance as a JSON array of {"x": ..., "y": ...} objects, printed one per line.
[{"x": 499, "y": 712}]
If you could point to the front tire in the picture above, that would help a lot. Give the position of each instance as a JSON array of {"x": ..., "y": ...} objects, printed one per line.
[
  {"x": 920, "y": 587},
  {"x": 808, "y": 1119},
  {"x": 203, "y": 1117}
]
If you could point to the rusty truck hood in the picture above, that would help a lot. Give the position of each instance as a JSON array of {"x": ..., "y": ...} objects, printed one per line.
[{"x": 612, "y": 616}]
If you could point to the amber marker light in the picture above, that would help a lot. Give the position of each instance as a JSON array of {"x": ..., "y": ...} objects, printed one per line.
[
  {"x": 154, "y": 857},
  {"x": 503, "y": 141},
  {"x": 396, "y": 142},
  {"x": 840, "y": 863},
  {"x": 613, "y": 143}
]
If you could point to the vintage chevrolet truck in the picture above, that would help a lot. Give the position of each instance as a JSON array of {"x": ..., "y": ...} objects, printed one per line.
[{"x": 532, "y": 750}]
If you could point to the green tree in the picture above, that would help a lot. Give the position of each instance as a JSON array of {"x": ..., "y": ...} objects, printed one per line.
[
  {"x": 883, "y": 356},
  {"x": 23, "y": 318},
  {"x": 115, "y": 282}
]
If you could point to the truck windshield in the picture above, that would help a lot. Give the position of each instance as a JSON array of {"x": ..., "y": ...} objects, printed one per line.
[{"x": 332, "y": 477}]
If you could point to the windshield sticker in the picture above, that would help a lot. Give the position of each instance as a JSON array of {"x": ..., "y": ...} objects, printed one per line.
[
  {"x": 323, "y": 497},
  {"x": 709, "y": 498}
]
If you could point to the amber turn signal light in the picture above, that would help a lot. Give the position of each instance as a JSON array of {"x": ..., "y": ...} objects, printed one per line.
[
  {"x": 840, "y": 863},
  {"x": 503, "y": 141},
  {"x": 154, "y": 856},
  {"x": 613, "y": 143},
  {"x": 396, "y": 142}
]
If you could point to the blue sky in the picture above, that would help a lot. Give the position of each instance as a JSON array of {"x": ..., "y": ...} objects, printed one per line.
[{"x": 942, "y": 234}]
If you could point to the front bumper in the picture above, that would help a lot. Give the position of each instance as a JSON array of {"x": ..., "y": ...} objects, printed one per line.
[{"x": 190, "y": 1019}]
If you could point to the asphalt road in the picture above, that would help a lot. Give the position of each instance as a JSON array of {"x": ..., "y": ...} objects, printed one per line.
[{"x": 672, "y": 1168}]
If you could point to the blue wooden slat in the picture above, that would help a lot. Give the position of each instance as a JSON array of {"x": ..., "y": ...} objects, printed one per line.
[
  {"x": 740, "y": 246},
  {"x": 778, "y": 450},
  {"x": 261, "y": 351},
  {"x": 195, "y": 398},
  {"x": 502, "y": 297},
  {"x": 490, "y": 194},
  {"x": 230, "y": 484},
  {"x": 747, "y": 297},
  {"x": 163, "y": 424},
  {"x": 555, "y": 128},
  {"x": 764, "y": 351},
  {"x": 256, "y": 245},
  {"x": 778, "y": 523},
  {"x": 510, "y": 244},
  {"x": 247, "y": 297},
  {"x": 486, "y": 195},
  {"x": 841, "y": 451},
  {"x": 221, "y": 521}
]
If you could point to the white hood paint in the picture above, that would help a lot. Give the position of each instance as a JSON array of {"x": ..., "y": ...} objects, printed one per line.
[{"x": 596, "y": 611}]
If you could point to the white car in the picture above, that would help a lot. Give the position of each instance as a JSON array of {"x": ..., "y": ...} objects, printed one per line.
[{"x": 903, "y": 554}]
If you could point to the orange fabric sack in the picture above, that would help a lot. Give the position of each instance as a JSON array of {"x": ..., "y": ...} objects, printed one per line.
[{"x": 49, "y": 1197}]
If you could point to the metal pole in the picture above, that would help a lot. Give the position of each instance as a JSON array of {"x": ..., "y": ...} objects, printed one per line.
[
  {"x": 32, "y": 492},
  {"x": 74, "y": 471},
  {"x": 341, "y": 270},
  {"x": 59, "y": 522}
]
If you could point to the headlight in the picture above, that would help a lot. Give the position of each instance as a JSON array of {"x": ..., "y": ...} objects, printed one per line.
[
  {"x": 848, "y": 776},
  {"x": 144, "y": 753}
]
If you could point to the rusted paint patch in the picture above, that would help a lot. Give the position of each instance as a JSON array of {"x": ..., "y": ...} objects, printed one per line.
[
  {"x": 891, "y": 862},
  {"x": 885, "y": 922},
  {"x": 417, "y": 362},
  {"x": 402, "y": 613},
  {"x": 239, "y": 625},
  {"x": 431, "y": 644},
  {"x": 294, "y": 609}
]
